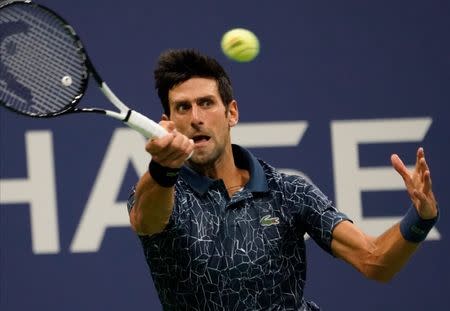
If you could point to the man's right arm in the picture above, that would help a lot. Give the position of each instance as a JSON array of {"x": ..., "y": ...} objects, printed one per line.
[
  {"x": 153, "y": 202},
  {"x": 152, "y": 207}
]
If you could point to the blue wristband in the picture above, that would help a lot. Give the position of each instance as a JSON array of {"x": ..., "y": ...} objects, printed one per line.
[
  {"x": 164, "y": 176},
  {"x": 414, "y": 228}
]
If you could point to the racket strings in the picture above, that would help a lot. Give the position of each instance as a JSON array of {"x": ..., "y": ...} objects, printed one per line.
[
  {"x": 45, "y": 70},
  {"x": 30, "y": 57},
  {"x": 41, "y": 75}
]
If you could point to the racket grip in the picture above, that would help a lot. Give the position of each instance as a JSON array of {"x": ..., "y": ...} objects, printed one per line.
[{"x": 144, "y": 125}]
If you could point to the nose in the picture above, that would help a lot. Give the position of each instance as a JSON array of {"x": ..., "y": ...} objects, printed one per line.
[{"x": 197, "y": 115}]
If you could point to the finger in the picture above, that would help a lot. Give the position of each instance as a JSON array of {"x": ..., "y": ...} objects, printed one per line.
[
  {"x": 427, "y": 182},
  {"x": 184, "y": 145},
  {"x": 168, "y": 125},
  {"x": 189, "y": 149},
  {"x": 424, "y": 165},
  {"x": 156, "y": 145},
  {"x": 165, "y": 141},
  {"x": 162, "y": 141},
  {"x": 166, "y": 158},
  {"x": 171, "y": 148},
  {"x": 175, "y": 159},
  {"x": 177, "y": 152},
  {"x": 419, "y": 156},
  {"x": 398, "y": 165}
]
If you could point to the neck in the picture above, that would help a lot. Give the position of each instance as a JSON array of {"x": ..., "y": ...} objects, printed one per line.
[{"x": 224, "y": 168}]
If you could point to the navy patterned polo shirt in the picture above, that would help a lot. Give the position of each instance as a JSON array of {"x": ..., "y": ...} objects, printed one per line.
[{"x": 246, "y": 252}]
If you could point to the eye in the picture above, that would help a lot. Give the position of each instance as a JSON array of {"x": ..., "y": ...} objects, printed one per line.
[
  {"x": 206, "y": 102},
  {"x": 182, "y": 107}
]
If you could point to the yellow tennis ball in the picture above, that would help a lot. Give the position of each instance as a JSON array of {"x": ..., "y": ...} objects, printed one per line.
[{"x": 240, "y": 45}]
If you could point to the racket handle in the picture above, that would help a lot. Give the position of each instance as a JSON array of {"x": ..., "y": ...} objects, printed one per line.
[{"x": 144, "y": 125}]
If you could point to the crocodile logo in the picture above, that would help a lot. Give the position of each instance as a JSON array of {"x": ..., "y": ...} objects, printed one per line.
[{"x": 269, "y": 221}]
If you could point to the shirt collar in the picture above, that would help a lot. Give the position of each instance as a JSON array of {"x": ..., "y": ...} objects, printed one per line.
[{"x": 243, "y": 159}]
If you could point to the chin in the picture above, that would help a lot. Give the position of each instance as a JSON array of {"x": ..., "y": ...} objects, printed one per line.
[
  {"x": 203, "y": 158},
  {"x": 199, "y": 160}
]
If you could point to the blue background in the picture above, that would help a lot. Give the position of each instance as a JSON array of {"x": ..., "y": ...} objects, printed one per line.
[{"x": 320, "y": 61}]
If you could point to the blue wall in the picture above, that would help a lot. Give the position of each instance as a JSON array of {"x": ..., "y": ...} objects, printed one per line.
[{"x": 350, "y": 81}]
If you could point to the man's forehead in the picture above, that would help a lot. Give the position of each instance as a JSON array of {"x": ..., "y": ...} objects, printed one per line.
[{"x": 194, "y": 88}]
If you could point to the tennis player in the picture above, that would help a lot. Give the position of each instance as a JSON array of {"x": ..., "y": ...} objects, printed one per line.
[{"x": 225, "y": 230}]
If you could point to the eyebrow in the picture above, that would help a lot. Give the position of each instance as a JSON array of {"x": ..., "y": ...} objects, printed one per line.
[
  {"x": 202, "y": 98},
  {"x": 197, "y": 99}
]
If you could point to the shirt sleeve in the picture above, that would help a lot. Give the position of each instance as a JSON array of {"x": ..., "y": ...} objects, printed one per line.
[
  {"x": 132, "y": 199},
  {"x": 312, "y": 210}
]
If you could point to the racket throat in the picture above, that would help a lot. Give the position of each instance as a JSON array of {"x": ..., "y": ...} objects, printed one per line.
[
  {"x": 127, "y": 116},
  {"x": 143, "y": 125}
]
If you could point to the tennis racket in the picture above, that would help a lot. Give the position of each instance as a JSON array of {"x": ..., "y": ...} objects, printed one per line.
[{"x": 45, "y": 70}]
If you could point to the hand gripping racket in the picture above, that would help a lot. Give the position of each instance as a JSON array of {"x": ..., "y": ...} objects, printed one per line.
[{"x": 44, "y": 68}]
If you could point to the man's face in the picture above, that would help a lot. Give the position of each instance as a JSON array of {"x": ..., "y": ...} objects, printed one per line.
[{"x": 198, "y": 112}]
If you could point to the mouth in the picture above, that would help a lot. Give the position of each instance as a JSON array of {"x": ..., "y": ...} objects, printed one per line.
[{"x": 200, "y": 139}]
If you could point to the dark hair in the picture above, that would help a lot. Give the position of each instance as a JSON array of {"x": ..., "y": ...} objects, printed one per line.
[{"x": 176, "y": 66}]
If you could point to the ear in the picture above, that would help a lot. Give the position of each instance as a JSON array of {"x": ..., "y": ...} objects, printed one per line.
[
  {"x": 164, "y": 117},
  {"x": 233, "y": 113}
]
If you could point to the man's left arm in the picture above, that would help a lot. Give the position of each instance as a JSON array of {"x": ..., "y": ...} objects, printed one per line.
[{"x": 382, "y": 257}]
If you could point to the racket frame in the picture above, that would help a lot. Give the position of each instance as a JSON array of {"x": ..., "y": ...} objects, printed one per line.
[{"x": 131, "y": 118}]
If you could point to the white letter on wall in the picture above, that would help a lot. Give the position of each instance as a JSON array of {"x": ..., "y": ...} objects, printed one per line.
[
  {"x": 269, "y": 134},
  {"x": 102, "y": 210},
  {"x": 38, "y": 190},
  {"x": 350, "y": 180}
]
